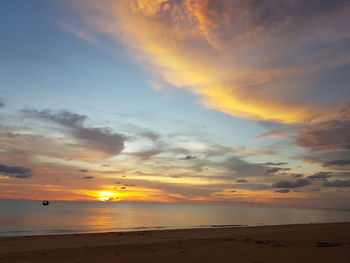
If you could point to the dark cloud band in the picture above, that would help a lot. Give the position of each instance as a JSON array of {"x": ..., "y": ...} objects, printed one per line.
[
  {"x": 15, "y": 171},
  {"x": 291, "y": 184}
]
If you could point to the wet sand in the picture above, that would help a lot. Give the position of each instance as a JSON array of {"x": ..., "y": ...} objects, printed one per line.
[{"x": 289, "y": 243}]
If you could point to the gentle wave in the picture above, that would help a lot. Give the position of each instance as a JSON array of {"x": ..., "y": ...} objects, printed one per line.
[{"x": 121, "y": 229}]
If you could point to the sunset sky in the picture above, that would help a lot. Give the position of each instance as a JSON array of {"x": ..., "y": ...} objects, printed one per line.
[{"x": 181, "y": 101}]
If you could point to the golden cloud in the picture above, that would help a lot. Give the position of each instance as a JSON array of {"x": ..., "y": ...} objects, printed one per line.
[{"x": 234, "y": 55}]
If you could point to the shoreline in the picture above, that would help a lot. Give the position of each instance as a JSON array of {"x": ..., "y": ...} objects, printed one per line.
[
  {"x": 60, "y": 232},
  {"x": 136, "y": 229},
  {"x": 314, "y": 242}
]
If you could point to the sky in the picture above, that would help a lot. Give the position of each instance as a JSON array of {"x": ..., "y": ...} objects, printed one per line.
[{"x": 223, "y": 102}]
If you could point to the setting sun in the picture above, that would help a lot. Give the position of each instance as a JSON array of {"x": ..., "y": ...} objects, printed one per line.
[{"x": 106, "y": 195}]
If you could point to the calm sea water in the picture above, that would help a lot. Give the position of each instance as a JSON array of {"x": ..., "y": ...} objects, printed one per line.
[{"x": 18, "y": 217}]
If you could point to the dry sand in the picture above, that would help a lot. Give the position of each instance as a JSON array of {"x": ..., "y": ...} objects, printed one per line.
[{"x": 290, "y": 243}]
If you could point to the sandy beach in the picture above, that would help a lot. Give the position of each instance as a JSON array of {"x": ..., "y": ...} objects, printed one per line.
[{"x": 288, "y": 243}]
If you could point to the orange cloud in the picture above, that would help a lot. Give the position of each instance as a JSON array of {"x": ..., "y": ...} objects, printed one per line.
[{"x": 220, "y": 51}]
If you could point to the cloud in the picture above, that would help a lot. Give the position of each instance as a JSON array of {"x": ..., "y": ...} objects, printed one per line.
[
  {"x": 265, "y": 150},
  {"x": 290, "y": 184},
  {"x": 331, "y": 135},
  {"x": 328, "y": 141},
  {"x": 83, "y": 34},
  {"x": 274, "y": 170},
  {"x": 2, "y": 104},
  {"x": 242, "y": 167},
  {"x": 337, "y": 183},
  {"x": 280, "y": 131},
  {"x": 188, "y": 157},
  {"x": 327, "y": 158},
  {"x": 297, "y": 175},
  {"x": 326, "y": 136},
  {"x": 151, "y": 135},
  {"x": 253, "y": 59},
  {"x": 250, "y": 186},
  {"x": 160, "y": 145},
  {"x": 147, "y": 154},
  {"x": 88, "y": 177},
  {"x": 283, "y": 191},
  {"x": 345, "y": 174},
  {"x": 315, "y": 190},
  {"x": 241, "y": 181},
  {"x": 24, "y": 145},
  {"x": 15, "y": 171},
  {"x": 342, "y": 162},
  {"x": 83, "y": 170},
  {"x": 320, "y": 176},
  {"x": 100, "y": 139},
  {"x": 272, "y": 163}
]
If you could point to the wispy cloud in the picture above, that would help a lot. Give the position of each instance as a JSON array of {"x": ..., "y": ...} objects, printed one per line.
[
  {"x": 101, "y": 139},
  {"x": 273, "y": 163},
  {"x": 78, "y": 32},
  {"x": 274, "y": 170}
]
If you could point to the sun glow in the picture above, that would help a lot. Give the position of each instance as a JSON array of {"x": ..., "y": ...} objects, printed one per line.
[{"x": 106, "y": 195}]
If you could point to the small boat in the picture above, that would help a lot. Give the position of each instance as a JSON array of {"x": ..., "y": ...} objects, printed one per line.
[{"x": 46, "y": 202}]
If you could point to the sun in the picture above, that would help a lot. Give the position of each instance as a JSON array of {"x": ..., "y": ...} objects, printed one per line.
[{"x": 106, "y": 195}]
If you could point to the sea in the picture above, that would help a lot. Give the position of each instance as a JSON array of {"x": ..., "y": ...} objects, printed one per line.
[{"x": 28, "y": 217}]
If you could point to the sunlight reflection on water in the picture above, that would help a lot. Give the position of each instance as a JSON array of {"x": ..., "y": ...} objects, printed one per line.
[{"x": 20, "y": 217}]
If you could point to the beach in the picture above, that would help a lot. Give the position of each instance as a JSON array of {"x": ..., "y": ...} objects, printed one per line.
[{"x": 328, "y": 242}]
